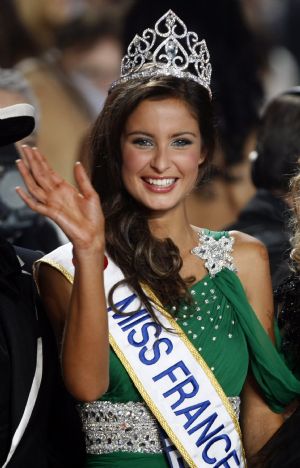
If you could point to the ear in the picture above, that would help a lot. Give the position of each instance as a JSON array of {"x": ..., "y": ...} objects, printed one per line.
[{"x": 202, "y": 157}]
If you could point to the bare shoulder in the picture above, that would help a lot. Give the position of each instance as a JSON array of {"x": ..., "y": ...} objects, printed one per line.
[
  {"x": 252, "y": 262},
  {"x": 55, "y": 291},
  {"x": 248, "y": 249}
]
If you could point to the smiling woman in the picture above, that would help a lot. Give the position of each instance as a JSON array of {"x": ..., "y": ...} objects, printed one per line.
[
  {"x": 190, "y": 336},
  {"x": 161, "y": 148}
]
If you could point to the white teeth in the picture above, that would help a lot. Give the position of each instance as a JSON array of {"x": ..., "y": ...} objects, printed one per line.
[{"x": 161, "y": 182}]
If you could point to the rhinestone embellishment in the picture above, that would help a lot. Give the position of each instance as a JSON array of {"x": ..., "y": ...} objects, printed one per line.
[
  {"x": 235, "y": 403},
  {"x": 167, "y": 50},
  {"x": 124, "y": 427},
  {"x": 216, "y": 253},
  {"x": 119, "y": 427}
]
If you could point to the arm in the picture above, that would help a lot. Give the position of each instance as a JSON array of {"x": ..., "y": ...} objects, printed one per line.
[
  {"x": 258, "y": 421},
  {"x": 80, "y": 309}
]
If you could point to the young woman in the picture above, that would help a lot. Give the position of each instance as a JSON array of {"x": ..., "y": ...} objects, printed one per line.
[
  {"x": 185, "y": 340},
  {"x": 283, "y": 448}
]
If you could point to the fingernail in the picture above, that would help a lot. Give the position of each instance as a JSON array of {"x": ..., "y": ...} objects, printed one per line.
[
  {"x": 17, "y": 161},
  {"x": 77, "y": 163},
  {"x": 24, "y": 146}
]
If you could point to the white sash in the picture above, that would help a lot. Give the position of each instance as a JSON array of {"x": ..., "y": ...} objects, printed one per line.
[{"x": 173, "y": 379}]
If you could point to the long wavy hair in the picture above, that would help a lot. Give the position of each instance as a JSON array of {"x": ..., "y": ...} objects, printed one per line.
[
  {"x": 295, "y": 221},
  {"x": 142, "y": 258}
]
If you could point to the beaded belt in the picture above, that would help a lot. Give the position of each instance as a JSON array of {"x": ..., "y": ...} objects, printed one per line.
[{"x": 123, "y": 427}]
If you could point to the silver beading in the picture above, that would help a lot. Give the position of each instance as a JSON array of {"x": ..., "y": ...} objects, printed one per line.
[
  {"x": 119, "y": 427},
  {"x": 124, "y": 427},
  {"x": 169, "y": 49},
  {"x": 216, "y": 253}
]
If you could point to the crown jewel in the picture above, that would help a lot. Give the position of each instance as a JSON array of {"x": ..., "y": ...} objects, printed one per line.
[{"x": 168, "y": 49}]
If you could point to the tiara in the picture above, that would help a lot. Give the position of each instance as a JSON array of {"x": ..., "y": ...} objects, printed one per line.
[{"x": 169, "y": 49}]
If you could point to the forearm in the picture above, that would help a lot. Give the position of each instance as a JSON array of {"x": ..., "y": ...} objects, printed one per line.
[
  {"x": 257, "y": 429},
  {"x": 85, "y": 349},
  {"x": 258, "y": 421}
]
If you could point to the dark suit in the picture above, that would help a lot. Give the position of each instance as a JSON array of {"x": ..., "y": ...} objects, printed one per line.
[{"x": 39, "y": 426}]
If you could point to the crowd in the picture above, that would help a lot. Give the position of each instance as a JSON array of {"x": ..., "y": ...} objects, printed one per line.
[{"x": 149, "y": 234}]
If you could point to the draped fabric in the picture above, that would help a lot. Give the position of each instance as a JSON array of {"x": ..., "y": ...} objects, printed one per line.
[{"x": 224, "y": 328}]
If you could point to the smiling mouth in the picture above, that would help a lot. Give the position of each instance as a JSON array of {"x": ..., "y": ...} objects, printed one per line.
[{"x": 167, "y": 182}]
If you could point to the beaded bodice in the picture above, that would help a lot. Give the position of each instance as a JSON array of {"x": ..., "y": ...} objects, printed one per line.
[{"x": 211, "y": 324}]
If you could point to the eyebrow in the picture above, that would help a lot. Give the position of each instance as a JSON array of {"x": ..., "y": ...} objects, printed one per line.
[{"x": 174, "y": 135}]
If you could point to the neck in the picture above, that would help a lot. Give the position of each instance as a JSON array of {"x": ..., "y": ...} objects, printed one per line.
[{"x": 174, "y": 225}]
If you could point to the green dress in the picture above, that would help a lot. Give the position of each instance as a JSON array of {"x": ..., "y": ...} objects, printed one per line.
[{"x": 223, "y": 327}]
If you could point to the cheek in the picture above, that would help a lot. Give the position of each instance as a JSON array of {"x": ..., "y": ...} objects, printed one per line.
[
  {"x": 133, "y": 162},
  {"x": 192, "y": 163}
]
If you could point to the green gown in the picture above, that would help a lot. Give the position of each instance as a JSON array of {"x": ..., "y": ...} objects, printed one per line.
[{"x": 223, "y": 327}]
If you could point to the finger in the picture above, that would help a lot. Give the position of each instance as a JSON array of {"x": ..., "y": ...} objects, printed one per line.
[
  {"x": 83, "y": 182},
  {"x": 39, "y": 170},
  {"x": 23, "y": 155},
  {"x": 35, "y": 190},
  {"x": 54, "y": 176},
  {"x": 35, "y": 205}
]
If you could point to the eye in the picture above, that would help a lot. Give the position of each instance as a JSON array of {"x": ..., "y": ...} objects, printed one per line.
[
  {"x": 181, "y": 142},
  {"x": 142, "y": 142}
]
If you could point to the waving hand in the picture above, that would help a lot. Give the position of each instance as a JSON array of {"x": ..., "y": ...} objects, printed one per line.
[{"x": 77, "y": 211}]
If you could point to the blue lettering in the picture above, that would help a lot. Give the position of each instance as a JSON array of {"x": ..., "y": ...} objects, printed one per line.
[
  {"x": 192, "y": 417},
  {"x": 205, "y": 456},
  {"x": 156, "y": 351},
  {"x": 124, "y": 303},
  {"x": 208, "y": 422},
  {"x": 224, "y": 462},
  {"x": 145, "y": 334},
  {"x": 182, "y": 394},
  {"x": 134, "y": 319},
  {"x": 169, "y": 372}
]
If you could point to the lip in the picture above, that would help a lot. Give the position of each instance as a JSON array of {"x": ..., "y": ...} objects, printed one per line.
[{"x": 159, "y": 188}]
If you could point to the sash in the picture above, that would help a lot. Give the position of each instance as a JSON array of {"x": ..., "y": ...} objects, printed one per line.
[{"x": 171, "y": 376}]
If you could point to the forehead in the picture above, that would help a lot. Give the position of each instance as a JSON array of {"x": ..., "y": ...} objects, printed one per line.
[{"x": 167, "y": 113}]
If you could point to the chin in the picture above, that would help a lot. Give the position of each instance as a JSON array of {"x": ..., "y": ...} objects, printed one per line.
[{"x": 160, "y": 207}]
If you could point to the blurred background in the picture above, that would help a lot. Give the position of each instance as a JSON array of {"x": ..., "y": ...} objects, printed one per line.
[{"x": 62, "y": 55}]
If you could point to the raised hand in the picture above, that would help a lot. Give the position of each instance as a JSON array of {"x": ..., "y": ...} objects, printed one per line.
[{"x": 77, "y": 211}]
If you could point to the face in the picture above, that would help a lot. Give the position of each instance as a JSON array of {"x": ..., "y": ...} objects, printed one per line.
[{"x": 161, "y": 150}]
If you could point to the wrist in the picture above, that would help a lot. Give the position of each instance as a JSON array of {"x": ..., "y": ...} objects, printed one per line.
[{"x": 91, "y": 255}]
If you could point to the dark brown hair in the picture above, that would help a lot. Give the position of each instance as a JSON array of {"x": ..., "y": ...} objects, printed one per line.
[
  {"x": 142, "y": 258},
  {"x": 278, "y": 143}
]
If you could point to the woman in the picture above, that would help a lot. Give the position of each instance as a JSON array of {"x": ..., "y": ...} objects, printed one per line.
[
  {"x": 188, "y": 345},
  {"x": 283, "y": 448},
  {"x": 267, "y": 214}
]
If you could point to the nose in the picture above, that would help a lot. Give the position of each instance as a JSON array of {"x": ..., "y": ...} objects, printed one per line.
[{"x": 160, "y": 160}]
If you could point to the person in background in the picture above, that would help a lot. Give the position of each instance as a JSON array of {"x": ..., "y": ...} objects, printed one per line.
[
  {"x": 283, "y": 448},
  {"x": 28, "y": 33},
  {"x": 275, "y": 162},
  {"x": 89, "y": 51},
  {"x": 181, "y": 302},
  {"x": 38, "y": 421},
  {"x": 18, "y": 225}
]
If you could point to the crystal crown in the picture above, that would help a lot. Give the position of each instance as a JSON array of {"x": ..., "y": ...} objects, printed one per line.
[{"x": 169, "y": 49}]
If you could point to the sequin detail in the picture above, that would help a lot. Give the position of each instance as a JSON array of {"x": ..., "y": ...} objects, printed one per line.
[
  {"x": 236, "y": 404},
  {"x": 124, "y": 427},
  {"x": 114, "y": 427},
  {"x": 216, "y": 253}
]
